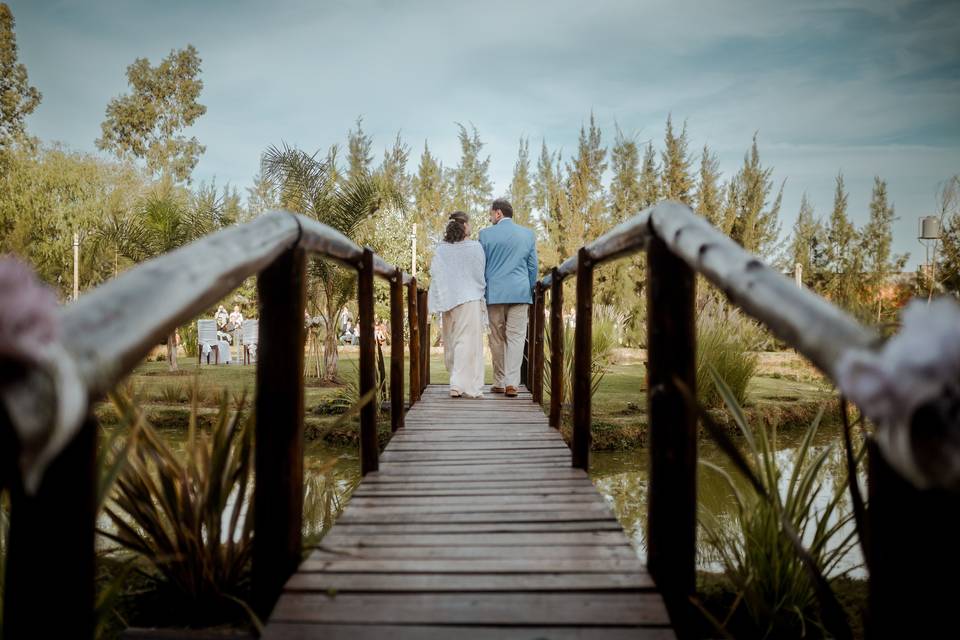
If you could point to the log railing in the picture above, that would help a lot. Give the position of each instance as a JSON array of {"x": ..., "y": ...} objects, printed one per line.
[
  {"x": 680, "y": 244},
  {"x": 109, "y": 331}
]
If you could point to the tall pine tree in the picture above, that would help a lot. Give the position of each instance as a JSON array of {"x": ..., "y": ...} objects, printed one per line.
[
  {"x": 471, "y": 187},
  {"x": 879, "y": 262},
  {"x": 709, "y": 193},
  {"x": 359, "y": 153},
  {"x": 626, "y": 198},
  {"x": 676, "y": 183},
  {"x": 430, "y": 203},
  {"x": 649, "y": 178},
  {"x": 521, "y": 190},
  {"x": 756, "y": 225},
  {"x": 844, "y": 254},
  {"x": 808, "y": 247}
]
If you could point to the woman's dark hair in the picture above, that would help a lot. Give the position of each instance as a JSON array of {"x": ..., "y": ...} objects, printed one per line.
[{"x": 456, "y": 227}]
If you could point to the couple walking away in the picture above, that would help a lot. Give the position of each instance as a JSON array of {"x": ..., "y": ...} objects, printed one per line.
[{"x": 487, "y": 282}]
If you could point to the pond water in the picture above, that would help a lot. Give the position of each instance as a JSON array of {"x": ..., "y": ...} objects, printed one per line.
[{"x": 331, "y": 474}]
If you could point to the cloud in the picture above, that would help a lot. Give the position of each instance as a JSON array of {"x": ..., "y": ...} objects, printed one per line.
[{"x": 872, "y": 88}]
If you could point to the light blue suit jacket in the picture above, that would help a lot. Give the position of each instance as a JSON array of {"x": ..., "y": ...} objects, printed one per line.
[{"x": 511, "y": 270}]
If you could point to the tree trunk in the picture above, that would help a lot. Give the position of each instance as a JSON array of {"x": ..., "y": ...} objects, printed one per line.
[
  {"x": 331, "y": 358},
  {"x": 172, "y": 351}
]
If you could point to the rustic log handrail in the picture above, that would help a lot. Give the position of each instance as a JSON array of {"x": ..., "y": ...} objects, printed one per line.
[
  {"x": 680, "y": 244},
  {"x": 111, "y": 329}
]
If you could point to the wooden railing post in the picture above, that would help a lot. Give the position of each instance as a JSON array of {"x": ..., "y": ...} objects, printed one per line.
[
  {"x": 556, "y": 349},
  {"x": 912, "y": 553},
  {"x": 396, "y": 350},
  {"x": 537, "y": 376},
  {"x": 527, "y": 351},
  {"x": 413, "y": 323},
  {"x": 582, "y": 362},
  {"x": 422, "y": 316},
  {"x": 50, "y": 558},
  {"x": 369, "y": 446},
  {"x": 672, "y": 492},
  {"x": 278, "y": 453}
]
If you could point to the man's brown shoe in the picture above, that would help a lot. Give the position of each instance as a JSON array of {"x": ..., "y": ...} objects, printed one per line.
[
  {"x": 511, "y": 392},
  {"x": 496, "y": 389}
]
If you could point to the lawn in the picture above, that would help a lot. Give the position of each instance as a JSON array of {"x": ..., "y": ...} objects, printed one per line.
[{"x": 786, "y": 390}]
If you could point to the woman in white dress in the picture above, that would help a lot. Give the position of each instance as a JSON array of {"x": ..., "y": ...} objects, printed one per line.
[{"x": 457, "y": 287}]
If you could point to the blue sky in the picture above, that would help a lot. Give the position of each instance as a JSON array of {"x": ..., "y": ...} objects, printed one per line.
[{"x": 869, "y": 88}]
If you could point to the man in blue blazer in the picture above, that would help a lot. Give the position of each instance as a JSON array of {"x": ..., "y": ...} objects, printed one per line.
[{"x": 511, "y": 272}]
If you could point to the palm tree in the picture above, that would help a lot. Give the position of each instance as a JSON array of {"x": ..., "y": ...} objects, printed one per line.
[
  {"x": 163, "y": 220},
  {"x": 308, "y": 185}
]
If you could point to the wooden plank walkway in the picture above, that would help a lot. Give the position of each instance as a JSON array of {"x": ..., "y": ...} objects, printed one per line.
[{"x": 476, "y": 526}]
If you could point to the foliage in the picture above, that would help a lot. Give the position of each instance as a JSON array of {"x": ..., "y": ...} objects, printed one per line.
[
  {"x": 187, "y": 517},
  {"x": 17, "y": 98},
  {"x": 709, "y": 192},
  {"x": 780, "y": 580},
  {"x": 606, "y": 324},
  {"x": 676, "y": 182},
  {"x": 755, "y": 220},
  {"x": 470, "y": 187},
  {"x": 307, "y": 185},
  {"x": 521, "y": 189},
  {"x": 145, "y": 123},
  {"x": 46, "y": 195},
  {"x": 808, "y": 247},
  {"x": 948, "y": 264},
  {"x": 726, "y": 343}
]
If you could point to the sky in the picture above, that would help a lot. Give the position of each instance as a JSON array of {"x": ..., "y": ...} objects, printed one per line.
[{"x": 866, "y": 88}]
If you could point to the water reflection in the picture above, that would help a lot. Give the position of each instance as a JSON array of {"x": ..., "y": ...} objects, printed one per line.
[
  {"x": 332, "y": 473},
  {"x": 622, "y": 478}
]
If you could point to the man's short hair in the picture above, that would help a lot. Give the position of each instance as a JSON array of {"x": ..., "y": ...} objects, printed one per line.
[{"x": 503, "y": 206}]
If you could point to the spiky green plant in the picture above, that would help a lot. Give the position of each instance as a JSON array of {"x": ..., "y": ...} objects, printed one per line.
[
  {"x": 185, "y": 515},
  {"x": 606, "y": 322},
  {"x": 780, "y": 548},
  {"x": 727, "y": 343}
]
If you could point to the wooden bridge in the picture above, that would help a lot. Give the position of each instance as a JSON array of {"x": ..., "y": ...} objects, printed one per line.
[
  {"x": 476, "y": 520},
  {"x": 475, "y": 526}
]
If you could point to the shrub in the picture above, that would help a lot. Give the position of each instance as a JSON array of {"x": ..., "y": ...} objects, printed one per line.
[
  {"x": 727, "y": 343},
  {"x": 171, "y": 392},
  {"x": 606, "y": 325}
]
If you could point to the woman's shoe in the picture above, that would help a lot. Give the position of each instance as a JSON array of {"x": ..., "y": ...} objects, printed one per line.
[{"x": 455, "y": 394}]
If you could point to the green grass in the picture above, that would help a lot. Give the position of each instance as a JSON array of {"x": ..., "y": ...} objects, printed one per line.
[{"x": 787, "y": 391}]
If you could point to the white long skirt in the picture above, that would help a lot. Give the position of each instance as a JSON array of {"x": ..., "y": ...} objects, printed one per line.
[{"x": 463, "y": 347}]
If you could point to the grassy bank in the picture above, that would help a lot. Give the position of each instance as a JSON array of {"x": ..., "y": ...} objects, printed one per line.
[{"x": 787, "y": 392}]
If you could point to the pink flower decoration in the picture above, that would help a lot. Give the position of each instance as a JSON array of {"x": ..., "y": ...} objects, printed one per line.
[{"x": 28, "y": 312}]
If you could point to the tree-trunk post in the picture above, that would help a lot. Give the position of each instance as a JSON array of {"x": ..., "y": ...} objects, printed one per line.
[
  {"x": 413, "y": 323},
  {"x": 538, "y": 305},
  {"x": 583, "y": 362},
  {"x": 50, "y": 557},
  {"x": 912, "y": 553},
  {"x": 527, "y": 351},
  {"x": 423, "y": 318},
  {"x": 672, "y": 491},
  {"x": 556, "y": 349},
  {"x": 396, "y": 350},
  {"x": 369, "y": 446},
  {"x": 278, "y": 453}
]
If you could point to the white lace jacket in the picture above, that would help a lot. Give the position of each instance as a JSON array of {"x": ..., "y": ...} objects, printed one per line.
[{"x": 456, "y": 275}]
